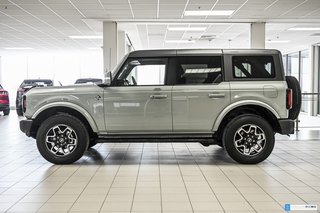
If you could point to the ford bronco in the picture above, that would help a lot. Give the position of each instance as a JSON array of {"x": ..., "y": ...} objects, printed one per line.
[{"x": 237, "y": 99}]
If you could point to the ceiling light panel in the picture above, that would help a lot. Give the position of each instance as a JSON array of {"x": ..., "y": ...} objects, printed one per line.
[{"x": 304, "y": 29}]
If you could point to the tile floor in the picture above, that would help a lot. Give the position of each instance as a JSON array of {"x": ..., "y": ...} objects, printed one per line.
[{"x": 154, "y": 178}]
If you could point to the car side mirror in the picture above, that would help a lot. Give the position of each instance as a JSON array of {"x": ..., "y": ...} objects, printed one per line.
[{"x": 108, "y": 79}]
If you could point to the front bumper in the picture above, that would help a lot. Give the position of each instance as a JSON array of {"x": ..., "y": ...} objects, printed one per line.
[
  {"x": 286, "y": 126},
  {"x": 25, "y": 126}
]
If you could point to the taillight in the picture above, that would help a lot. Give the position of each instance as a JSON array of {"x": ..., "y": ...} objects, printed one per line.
[
  {"x": 24, "y": 103},
  {"x": 3, "y": 93},
  {"x": 289, "y": 98}
]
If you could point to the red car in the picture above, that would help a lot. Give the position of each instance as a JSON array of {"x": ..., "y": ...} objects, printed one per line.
[{"x": 4, "y": 101}]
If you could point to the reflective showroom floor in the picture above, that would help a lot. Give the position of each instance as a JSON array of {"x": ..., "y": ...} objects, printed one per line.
[{"x": 156, "y": 177}]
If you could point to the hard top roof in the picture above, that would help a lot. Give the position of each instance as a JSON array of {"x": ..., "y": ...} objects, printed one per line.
[{"x": 198, "y": 52}]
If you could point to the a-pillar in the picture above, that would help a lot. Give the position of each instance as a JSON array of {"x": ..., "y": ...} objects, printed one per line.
[
  {"x": 110, "y": 45},
  {"x": 257, "y": 35}
]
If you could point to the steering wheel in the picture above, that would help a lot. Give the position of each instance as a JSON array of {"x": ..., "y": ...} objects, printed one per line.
[{"x": 134, "y": 81}]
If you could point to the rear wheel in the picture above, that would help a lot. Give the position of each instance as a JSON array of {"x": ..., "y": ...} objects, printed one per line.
[
  {"x": 248, "y": 139},
  {"x": 6, "y": 112},
  {"x": 62, "y": 139},
  {"x": 92, "y": 143},
  {"x": 19, "y": 112}
]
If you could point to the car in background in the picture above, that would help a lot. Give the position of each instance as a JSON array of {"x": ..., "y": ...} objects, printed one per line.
[
  {"x": 26, "y": 85},
  {"x": 4, "y": 101},
  {"x": 88, "y": 81}
]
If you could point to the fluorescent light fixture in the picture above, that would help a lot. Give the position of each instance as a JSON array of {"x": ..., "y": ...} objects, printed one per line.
[
  {"x": 180, "y": 41},
  {"x": 18, "y": 48},
  {"x": 208, "y": 12},
  {"x": 187, "y": 28},
  {"x": 277, "y": 41},
  {"x": 304, "y": 28},
  {"x": 86, "y": 37}
]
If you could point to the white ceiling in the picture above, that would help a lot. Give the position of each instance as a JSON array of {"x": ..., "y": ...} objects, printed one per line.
[{"x": 46, "y": 24}]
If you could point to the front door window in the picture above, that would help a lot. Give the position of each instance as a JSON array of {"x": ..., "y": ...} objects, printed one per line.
[{"x": 142, "y": 72}]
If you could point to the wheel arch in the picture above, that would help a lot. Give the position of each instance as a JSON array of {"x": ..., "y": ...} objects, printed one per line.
[
  {"x": 43, "y": 113},
  {"x": 264, "y": 111}
]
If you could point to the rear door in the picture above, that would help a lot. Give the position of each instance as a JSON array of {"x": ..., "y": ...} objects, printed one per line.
[{"x": 199, "y": 93}]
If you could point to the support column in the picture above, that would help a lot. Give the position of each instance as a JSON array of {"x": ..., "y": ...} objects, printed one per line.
[
  {"x": 257, "y": 35},
  {"x": 315, "y": 74},
  {"x": 110, "y": 43},
  {"x": 121, "y": 44}
]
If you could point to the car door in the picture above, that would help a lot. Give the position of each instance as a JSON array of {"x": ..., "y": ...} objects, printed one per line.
[
  {"x": 138, "y": 100},
  {"x": 199, "y": 93}
]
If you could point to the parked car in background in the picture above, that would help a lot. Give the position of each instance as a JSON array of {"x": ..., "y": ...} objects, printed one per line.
[
  {"x": 26, "y": 85},
  {"x": 88, "y": 81},
  {"x": 4, "y": 101}
]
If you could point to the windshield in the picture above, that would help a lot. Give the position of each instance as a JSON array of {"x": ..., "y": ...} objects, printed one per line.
[
  {"x": 114, "y": 71},
  {"x": 91, "y": 80}
]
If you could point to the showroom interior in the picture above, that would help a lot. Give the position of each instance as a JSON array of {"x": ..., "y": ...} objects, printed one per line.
[{"x": 69, "y": 40}]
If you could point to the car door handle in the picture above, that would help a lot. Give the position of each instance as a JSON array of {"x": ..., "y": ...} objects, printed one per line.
[
  {"x": 158, "y": 96},
  {"x": 216, "y": 95}
]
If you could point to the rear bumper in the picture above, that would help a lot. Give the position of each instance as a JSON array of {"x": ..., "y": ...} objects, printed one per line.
[
  {"x": 25, "y": 126},
  {"x": 286, "y": 126},
  {"x": 4, "y": 107}
]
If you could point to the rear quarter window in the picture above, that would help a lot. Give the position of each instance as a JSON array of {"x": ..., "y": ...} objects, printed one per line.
[{"x": 256, "y": 67}]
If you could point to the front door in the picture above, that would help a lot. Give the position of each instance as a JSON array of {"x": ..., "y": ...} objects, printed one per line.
[{"x": 139, "y": 101}]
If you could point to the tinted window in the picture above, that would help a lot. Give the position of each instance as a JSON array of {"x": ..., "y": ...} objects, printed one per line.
[
  {"x": 88, "y": 80},
  {"x": 139, "y": 72},
  {"x": 253, "y": 67},
  {"x": 40, "y": 83},
  {"x": 198, "y": 70}
]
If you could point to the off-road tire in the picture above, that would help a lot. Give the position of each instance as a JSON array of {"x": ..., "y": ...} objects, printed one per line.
[
  {"x": 6, "y": 112},
  {"x": 19, "y": 112},
  {"x": 231, "y": 130},
  {"x": 92, "y": 143},
  {"x": 76, "y": 125}
]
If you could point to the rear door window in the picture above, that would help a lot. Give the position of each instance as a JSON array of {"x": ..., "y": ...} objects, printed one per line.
[
  {"x": 253, "y": 67},
  {"x": 198, "y": 70}
]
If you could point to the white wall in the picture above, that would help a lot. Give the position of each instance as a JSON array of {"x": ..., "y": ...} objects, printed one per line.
[{"x": 63, "y": 67}]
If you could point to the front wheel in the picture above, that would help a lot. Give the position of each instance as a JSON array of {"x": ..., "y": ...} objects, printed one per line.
[
  {"x": 19, "y": 112},
  {"x": 248, "y": 139},
  {"x": 6, "y": 112},
  {"x": 62, "y": 139}
]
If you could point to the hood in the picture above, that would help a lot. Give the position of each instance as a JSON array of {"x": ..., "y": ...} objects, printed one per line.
[{"x": 72, "y": 89}]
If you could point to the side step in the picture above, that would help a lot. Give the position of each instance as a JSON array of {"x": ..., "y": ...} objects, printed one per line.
[{"x": 155, "y": 138}]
